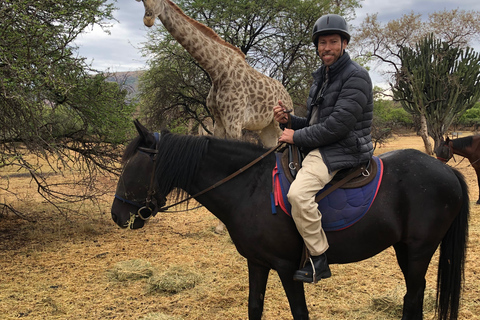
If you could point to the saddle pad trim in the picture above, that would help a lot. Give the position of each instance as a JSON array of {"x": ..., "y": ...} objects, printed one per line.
[{"x": 279, "y": 200}]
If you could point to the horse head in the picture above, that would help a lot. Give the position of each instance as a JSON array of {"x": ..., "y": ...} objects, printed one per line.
[
  {"x": 137, "y": 198},
  {"x": 444, "y": 151}
]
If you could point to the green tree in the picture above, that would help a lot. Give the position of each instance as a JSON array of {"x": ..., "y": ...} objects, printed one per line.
[
  {"x": 388, "y": 115},
  {"x": 384, "y": 44},
  {"x": 274, "y": 35},
  {"x": 438, "y": 83},
  {"x": 381, "y": 43},
  {"x": 51, "y": 103},
  {"x": 471, "y": 117}
]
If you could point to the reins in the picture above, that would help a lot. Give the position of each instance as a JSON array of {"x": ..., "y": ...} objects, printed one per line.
[
  {"x": 228, "y": 178},
  {"x": 145, "y": 211}
]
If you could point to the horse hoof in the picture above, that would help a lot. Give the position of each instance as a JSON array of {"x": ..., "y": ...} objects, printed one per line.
[{"x": 220, "y": 228}]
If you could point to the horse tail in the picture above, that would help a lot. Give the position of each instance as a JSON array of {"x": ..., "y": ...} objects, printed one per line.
[{"x": 452, "y": 260}]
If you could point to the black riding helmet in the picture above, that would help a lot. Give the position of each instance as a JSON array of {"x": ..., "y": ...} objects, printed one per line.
[{"x": 330, "y": 24}]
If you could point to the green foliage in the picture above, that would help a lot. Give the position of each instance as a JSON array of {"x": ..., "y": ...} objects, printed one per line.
[
  {"x": 391, "y": 113},
  {"x": 438, "y": 82},
  {"x": 42, "y": 78},
  {"x": 471, "y": 117},
  {"x": 388, "y": 116},
  {"x": 51, "y": 102}
]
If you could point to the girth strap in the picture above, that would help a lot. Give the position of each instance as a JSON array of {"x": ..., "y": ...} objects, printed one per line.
[{"x": 338, "y": 184}]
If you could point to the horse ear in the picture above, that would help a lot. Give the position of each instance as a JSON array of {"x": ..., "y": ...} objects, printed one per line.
[
  {"x": 147, "y": 137},
  {"x": 447, "y": 140},
  {"x": 142, "y": 131}
]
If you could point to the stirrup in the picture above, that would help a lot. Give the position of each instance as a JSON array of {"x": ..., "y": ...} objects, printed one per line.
[{"x": 314, "y": 271}]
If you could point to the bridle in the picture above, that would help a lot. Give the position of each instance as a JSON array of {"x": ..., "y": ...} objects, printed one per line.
[
  {"x": 145, "y": 211},
  {"x": 450, "y": 153}
]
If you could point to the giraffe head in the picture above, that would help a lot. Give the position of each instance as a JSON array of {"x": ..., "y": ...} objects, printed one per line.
[{"x": 152, "y": 10}]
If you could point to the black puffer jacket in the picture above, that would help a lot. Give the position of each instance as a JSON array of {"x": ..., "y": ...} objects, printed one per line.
[{"x": 344, "y": 117}]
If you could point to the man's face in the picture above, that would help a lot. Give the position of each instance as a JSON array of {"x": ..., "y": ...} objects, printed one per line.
[{"x": 330, "y": 48}]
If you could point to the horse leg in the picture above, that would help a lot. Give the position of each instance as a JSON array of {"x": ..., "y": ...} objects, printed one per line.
[
  {"x": 477, "y": 171},
  {"x": 295, "y": 294},
  {"x": 414, "y": 270},
  {"x": 257, "y": 278}
]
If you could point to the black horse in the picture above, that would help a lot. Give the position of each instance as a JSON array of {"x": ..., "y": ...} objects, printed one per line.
[
  {"x": 420, "y": 205},
  {"x": 468, "y": 147}
]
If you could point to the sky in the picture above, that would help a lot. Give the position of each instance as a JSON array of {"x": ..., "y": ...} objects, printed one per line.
[{"x": 120, "y": 51}]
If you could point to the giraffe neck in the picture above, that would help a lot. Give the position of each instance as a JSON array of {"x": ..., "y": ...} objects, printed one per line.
[{"x": 203, "y": 44}]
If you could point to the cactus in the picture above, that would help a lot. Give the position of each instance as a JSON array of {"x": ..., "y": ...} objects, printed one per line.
[{"x": 438, "y": 83}]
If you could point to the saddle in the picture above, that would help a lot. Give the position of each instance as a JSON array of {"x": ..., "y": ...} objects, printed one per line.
[
  {"x": 352, "y": 191},
  {"x": 346, "y": 179}
]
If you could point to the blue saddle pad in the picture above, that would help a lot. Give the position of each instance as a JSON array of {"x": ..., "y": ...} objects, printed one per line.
[{"x": 341, "y": 208}]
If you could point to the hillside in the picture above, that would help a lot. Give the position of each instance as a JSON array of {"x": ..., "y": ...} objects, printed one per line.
[{"x": 128, "y": 79}]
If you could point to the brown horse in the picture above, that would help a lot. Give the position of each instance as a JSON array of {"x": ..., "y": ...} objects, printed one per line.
[{"x": 468, "y": 147}]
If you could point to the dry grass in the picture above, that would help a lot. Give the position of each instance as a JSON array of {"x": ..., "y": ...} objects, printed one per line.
[
  {"x": 175, "y": 280},
  {"x": 131, "y": 270},
  {"x": 62, "y": 268}
]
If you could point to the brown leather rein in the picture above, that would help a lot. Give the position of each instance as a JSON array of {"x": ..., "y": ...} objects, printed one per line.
[{"x": 151, "y": 190}]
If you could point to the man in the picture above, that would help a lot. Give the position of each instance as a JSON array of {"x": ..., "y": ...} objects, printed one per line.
[{"x": 335, "y": 134}]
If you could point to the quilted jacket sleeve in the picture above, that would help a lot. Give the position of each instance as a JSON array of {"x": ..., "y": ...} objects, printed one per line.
[{"x": 342, "y": 113}]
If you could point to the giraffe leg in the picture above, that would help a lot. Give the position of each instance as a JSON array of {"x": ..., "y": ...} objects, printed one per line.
[
  {"x": 270, "y": 134},
  {"x": 219, "y": 129},
  {"x": 234, "y": 130}
]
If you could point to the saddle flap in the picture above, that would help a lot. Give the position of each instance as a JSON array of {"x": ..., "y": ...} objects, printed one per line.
[{"x": 364, "y": 178}]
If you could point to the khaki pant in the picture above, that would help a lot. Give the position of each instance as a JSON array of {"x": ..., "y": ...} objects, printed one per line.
[{"x": 311, "y": 178}]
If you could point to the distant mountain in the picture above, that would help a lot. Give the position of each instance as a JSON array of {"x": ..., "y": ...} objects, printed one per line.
[{"x": 129, "y": 80}]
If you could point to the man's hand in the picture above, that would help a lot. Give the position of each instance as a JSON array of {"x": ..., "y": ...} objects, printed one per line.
[
  {"x": 287, "y": 136},
  {"x": 280, "y": 113}
]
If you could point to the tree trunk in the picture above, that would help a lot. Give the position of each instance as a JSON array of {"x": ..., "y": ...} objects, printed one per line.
[{"x": 424, "y": 134}]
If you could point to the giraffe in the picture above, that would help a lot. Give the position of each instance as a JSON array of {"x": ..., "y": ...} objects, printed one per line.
[{"x": 240, "y": 96}]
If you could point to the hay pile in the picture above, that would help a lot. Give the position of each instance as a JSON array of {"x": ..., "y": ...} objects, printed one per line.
[
  {"x": 131, "y": 270},
  {"x": 159, "y": 316},
  {"x": 174, "y": 280}
]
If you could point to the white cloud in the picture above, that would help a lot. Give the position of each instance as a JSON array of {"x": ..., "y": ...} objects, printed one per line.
[{"x": 119, "y": 50}]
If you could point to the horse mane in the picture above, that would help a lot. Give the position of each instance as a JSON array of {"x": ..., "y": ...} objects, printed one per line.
[
  {"x": 206, "y": 30},
  {"x": 131, "y": 148},
  {"x": 178, "y": 162},
  {"x": 180, "y": 157},
  {"x": 462, "y": 143}
]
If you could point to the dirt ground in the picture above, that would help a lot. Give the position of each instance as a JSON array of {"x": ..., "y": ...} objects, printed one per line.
[{"x": 61, "y": 268}]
